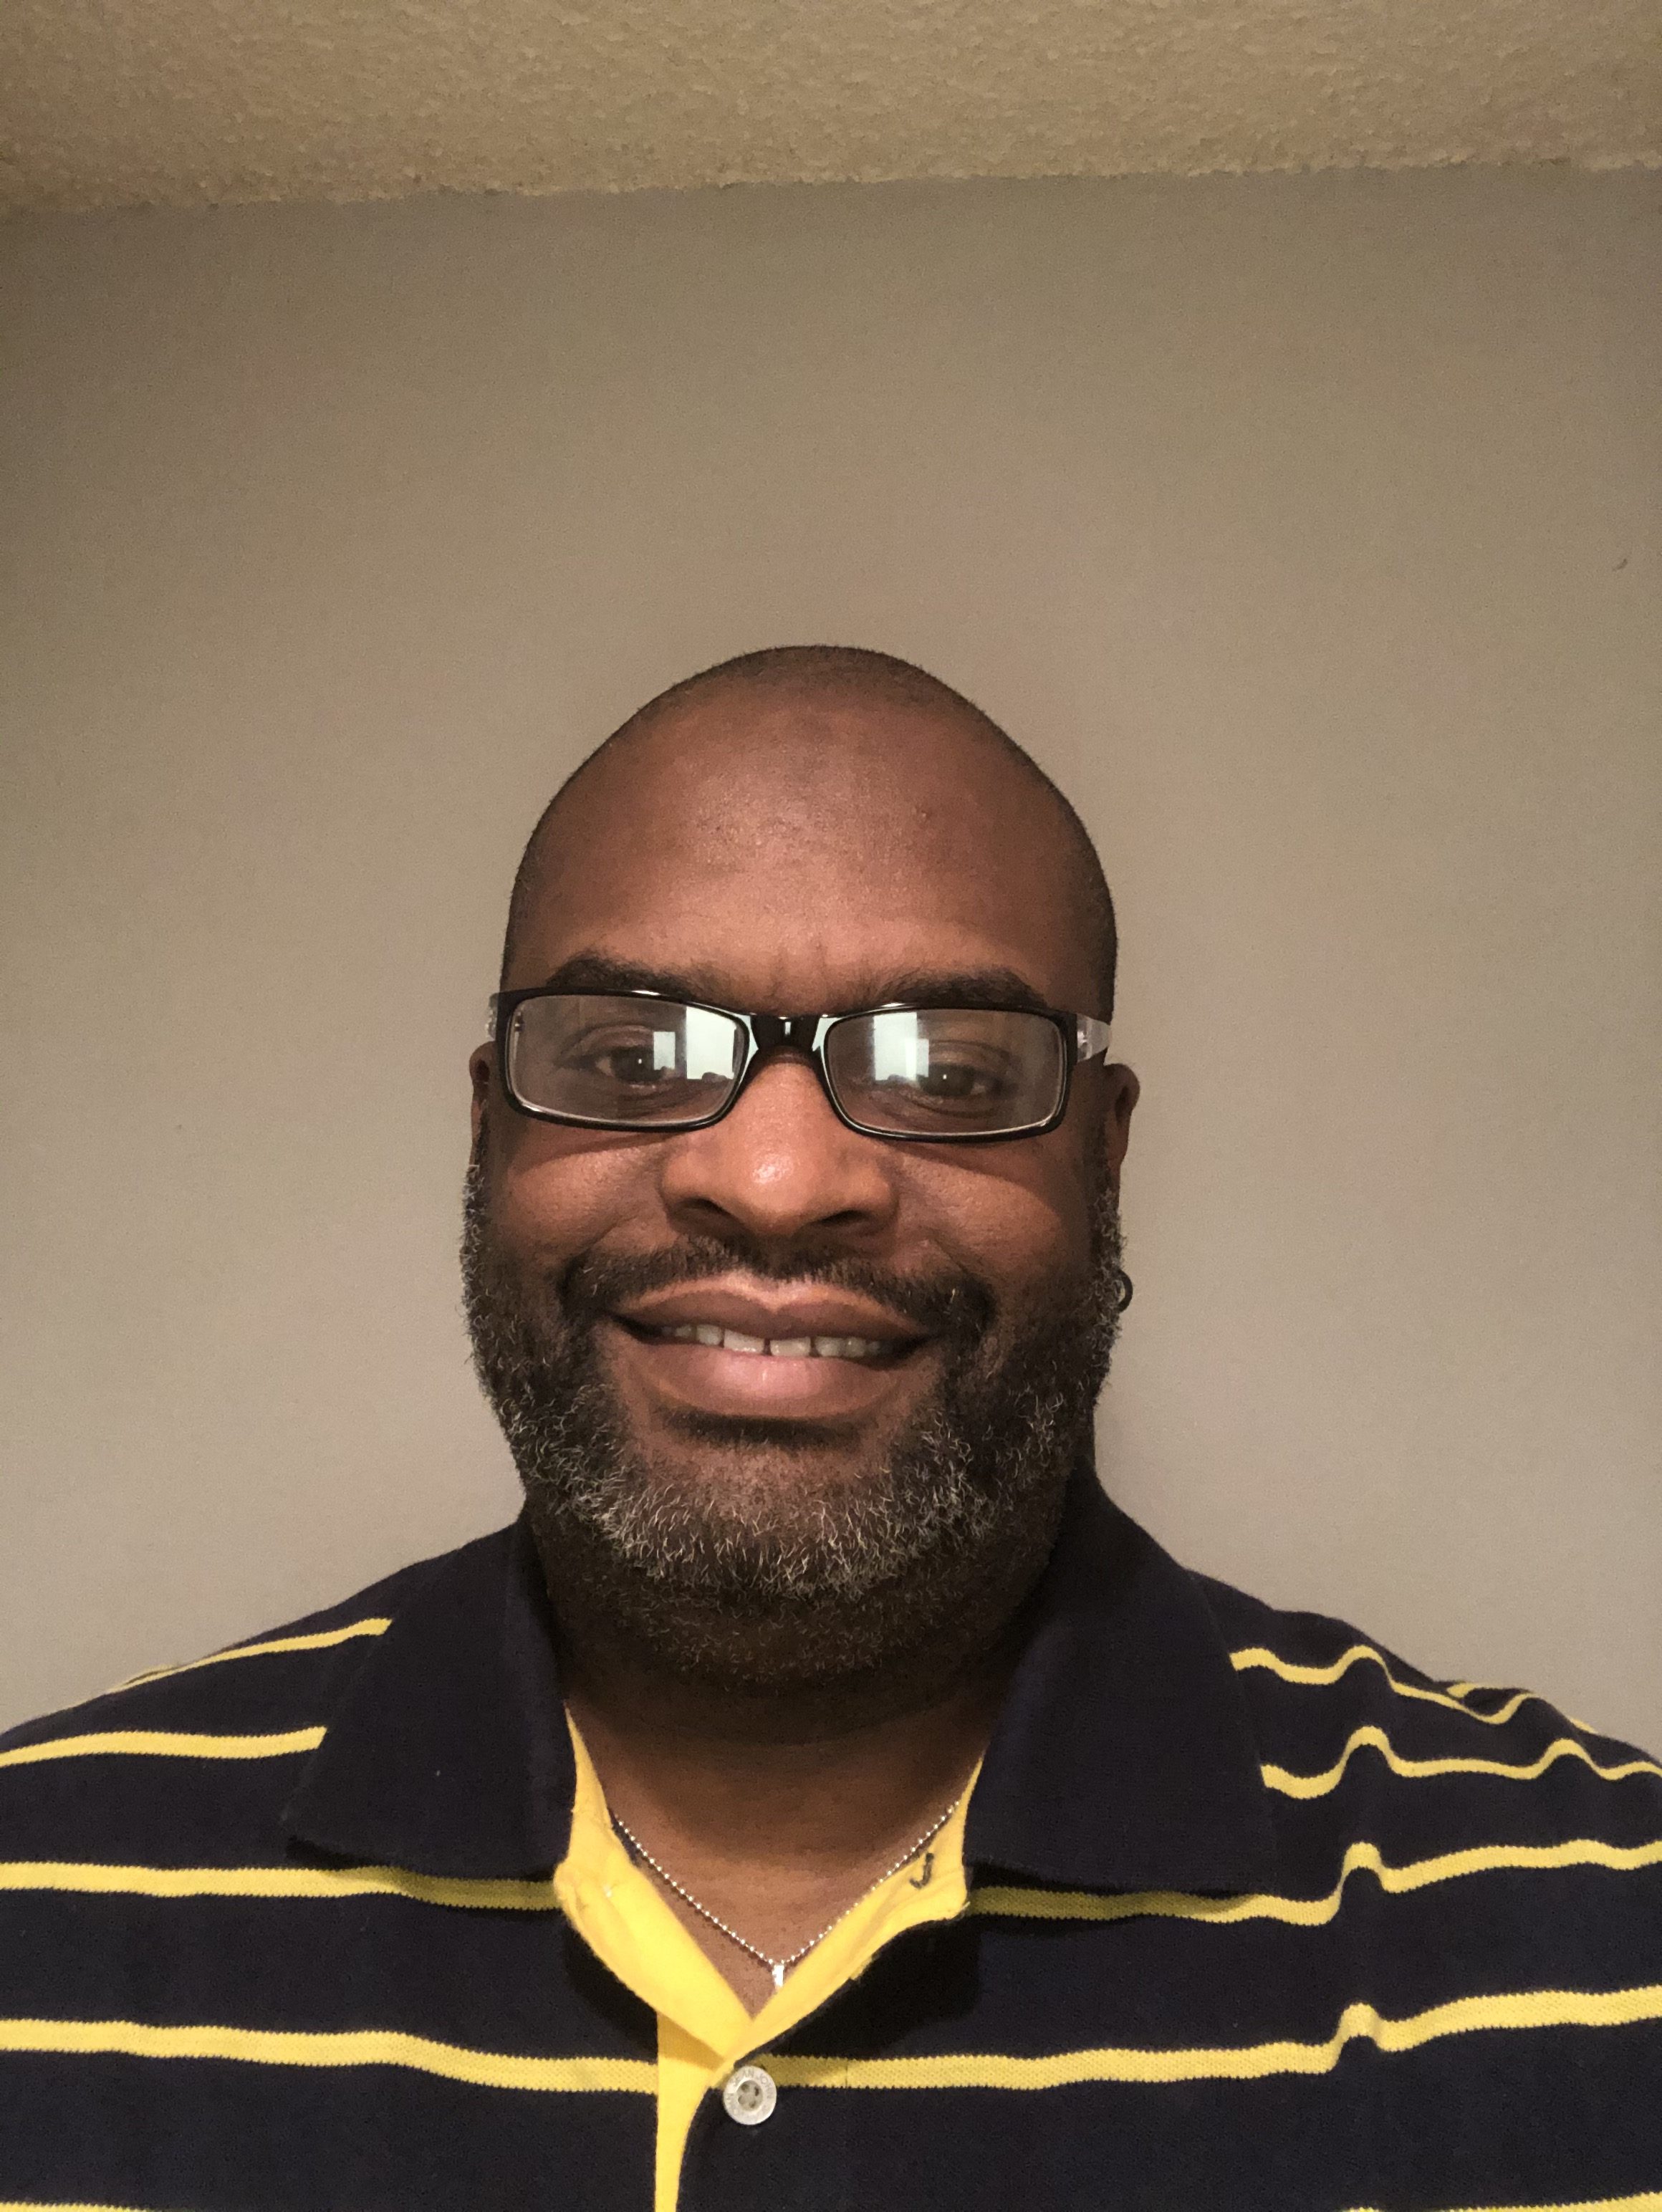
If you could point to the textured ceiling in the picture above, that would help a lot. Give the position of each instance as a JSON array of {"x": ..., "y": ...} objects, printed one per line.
[{"x": 113, "y": 102}]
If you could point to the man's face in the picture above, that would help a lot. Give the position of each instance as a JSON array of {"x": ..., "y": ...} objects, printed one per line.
[{"x": 789, "y": 857}]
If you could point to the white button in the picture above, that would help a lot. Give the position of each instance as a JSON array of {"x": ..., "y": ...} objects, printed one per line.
[{"x": 750, "y": 2095}]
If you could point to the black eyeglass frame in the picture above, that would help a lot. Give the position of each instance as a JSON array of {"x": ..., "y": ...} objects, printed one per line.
[{"x": 1084, "y": 1036}]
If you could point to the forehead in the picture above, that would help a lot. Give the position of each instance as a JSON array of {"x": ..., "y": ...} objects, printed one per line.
[{"x": 802, "y": 854}]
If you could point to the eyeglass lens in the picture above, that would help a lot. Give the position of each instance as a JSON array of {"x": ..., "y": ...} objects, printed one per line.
[
  {"x": 946, "y": 1071},
  {"x": 911, "y": 1072},
  {"x": 623, "y": 1060}
]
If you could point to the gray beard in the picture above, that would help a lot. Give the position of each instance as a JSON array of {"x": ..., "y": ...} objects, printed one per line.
[{"x": 778, "y": 1576}]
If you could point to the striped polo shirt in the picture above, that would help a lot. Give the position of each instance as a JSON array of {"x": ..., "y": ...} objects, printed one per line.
[{"x": 1243, "y": 1912}]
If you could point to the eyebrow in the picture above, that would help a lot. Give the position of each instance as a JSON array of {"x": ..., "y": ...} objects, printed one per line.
[{"x": 917, "y": 987}]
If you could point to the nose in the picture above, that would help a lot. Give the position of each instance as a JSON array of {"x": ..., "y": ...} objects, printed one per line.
[{"x": 780, "y": 1168}]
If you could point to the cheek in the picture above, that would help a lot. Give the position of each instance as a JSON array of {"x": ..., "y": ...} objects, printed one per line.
[
  {"x": 1020, "y": 1223},
  {"x": 559, "y": 1191}
]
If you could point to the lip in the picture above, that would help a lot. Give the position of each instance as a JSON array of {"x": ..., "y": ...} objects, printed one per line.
[
  {"x": 808, "y": 1312},
  {"x": 676, "y": 1376}
]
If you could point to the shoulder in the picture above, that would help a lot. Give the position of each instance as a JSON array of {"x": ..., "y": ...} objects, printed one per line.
[
  {"x": 1454, "y": 1853},
  {"x": 1350, "y": 1730},
  {"x": 200, "y": 1756}
]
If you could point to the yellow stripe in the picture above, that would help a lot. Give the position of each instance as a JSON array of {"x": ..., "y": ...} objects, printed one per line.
[
  {"x": 33, "y": 2205},
  {"x": 1289, "y": 1671},
  {"x": 1318, "y": 1785},
  {"x": 1532, "y": 2009},
  {"x": 1310, "y": 1912},
  {"x": 1648, "y": 2200},
  {"x": 372, "y": 1625},
  {"x": 96, "y": 1878},
  {"x": 1252, "y": 2061},
  {"x": 371, "y": 2047},
  {"x": 162, "y": 1743}
]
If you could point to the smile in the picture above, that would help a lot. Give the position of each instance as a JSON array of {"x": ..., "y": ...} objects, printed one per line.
[
  {"x": 771, "y": 1347},
  {"x": 737, "y": 1348}
]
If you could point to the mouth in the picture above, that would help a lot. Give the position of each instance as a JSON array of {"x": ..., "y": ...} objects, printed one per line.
[
  {"x": 730, "y": 1347},
  {"x": 866, "y": 1349}
]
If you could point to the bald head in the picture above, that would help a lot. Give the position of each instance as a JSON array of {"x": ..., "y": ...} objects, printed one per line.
[{"x": 814, "y": 749}]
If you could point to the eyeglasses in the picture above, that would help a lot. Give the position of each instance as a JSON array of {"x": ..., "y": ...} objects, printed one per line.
[{"x": 633, "y": 1059}]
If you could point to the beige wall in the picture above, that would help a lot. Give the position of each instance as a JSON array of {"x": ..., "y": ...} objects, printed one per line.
[{"x": 1307, "y": 528}]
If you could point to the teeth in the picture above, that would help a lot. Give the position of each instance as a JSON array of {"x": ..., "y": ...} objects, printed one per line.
[{"x": 778, "y": 1347}]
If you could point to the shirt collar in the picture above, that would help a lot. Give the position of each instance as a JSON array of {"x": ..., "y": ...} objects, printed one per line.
[
  {"x": 1121, "y": 1758},
  {"x": 448, "y": 1753}
]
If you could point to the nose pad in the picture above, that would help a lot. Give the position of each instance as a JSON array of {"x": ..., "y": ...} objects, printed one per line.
[{"x": 784, "y": 1034}]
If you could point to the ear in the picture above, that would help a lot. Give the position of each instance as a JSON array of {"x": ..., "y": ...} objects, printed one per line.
[
  {"x": 481, "y": 1067},
  {"x": 1123, "y": 1092}
]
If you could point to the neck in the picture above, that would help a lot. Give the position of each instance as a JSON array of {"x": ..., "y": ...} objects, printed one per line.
[
  {"x": 776, "y": 1833},
  {"x": 776, "y": 1813},
  {"x": 837, "y": 1798}
]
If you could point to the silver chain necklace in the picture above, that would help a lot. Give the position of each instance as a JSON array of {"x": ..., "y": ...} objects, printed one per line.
[{"x": 780, "y": 1967}]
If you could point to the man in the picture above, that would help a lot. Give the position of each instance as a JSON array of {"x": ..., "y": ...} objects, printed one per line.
[{"x": 823, "y": 1797}]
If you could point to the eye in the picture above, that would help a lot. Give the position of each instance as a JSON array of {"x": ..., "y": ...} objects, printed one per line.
[
  {"x": 957, "y": 1077},
  {"x": 636, "y": 1058}
]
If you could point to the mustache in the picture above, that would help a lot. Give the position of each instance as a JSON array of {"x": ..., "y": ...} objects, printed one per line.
[{"x": 953, "y": 1305}]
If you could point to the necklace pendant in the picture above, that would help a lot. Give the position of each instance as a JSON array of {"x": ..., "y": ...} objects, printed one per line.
[{"x": 777, "y": 1967}]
